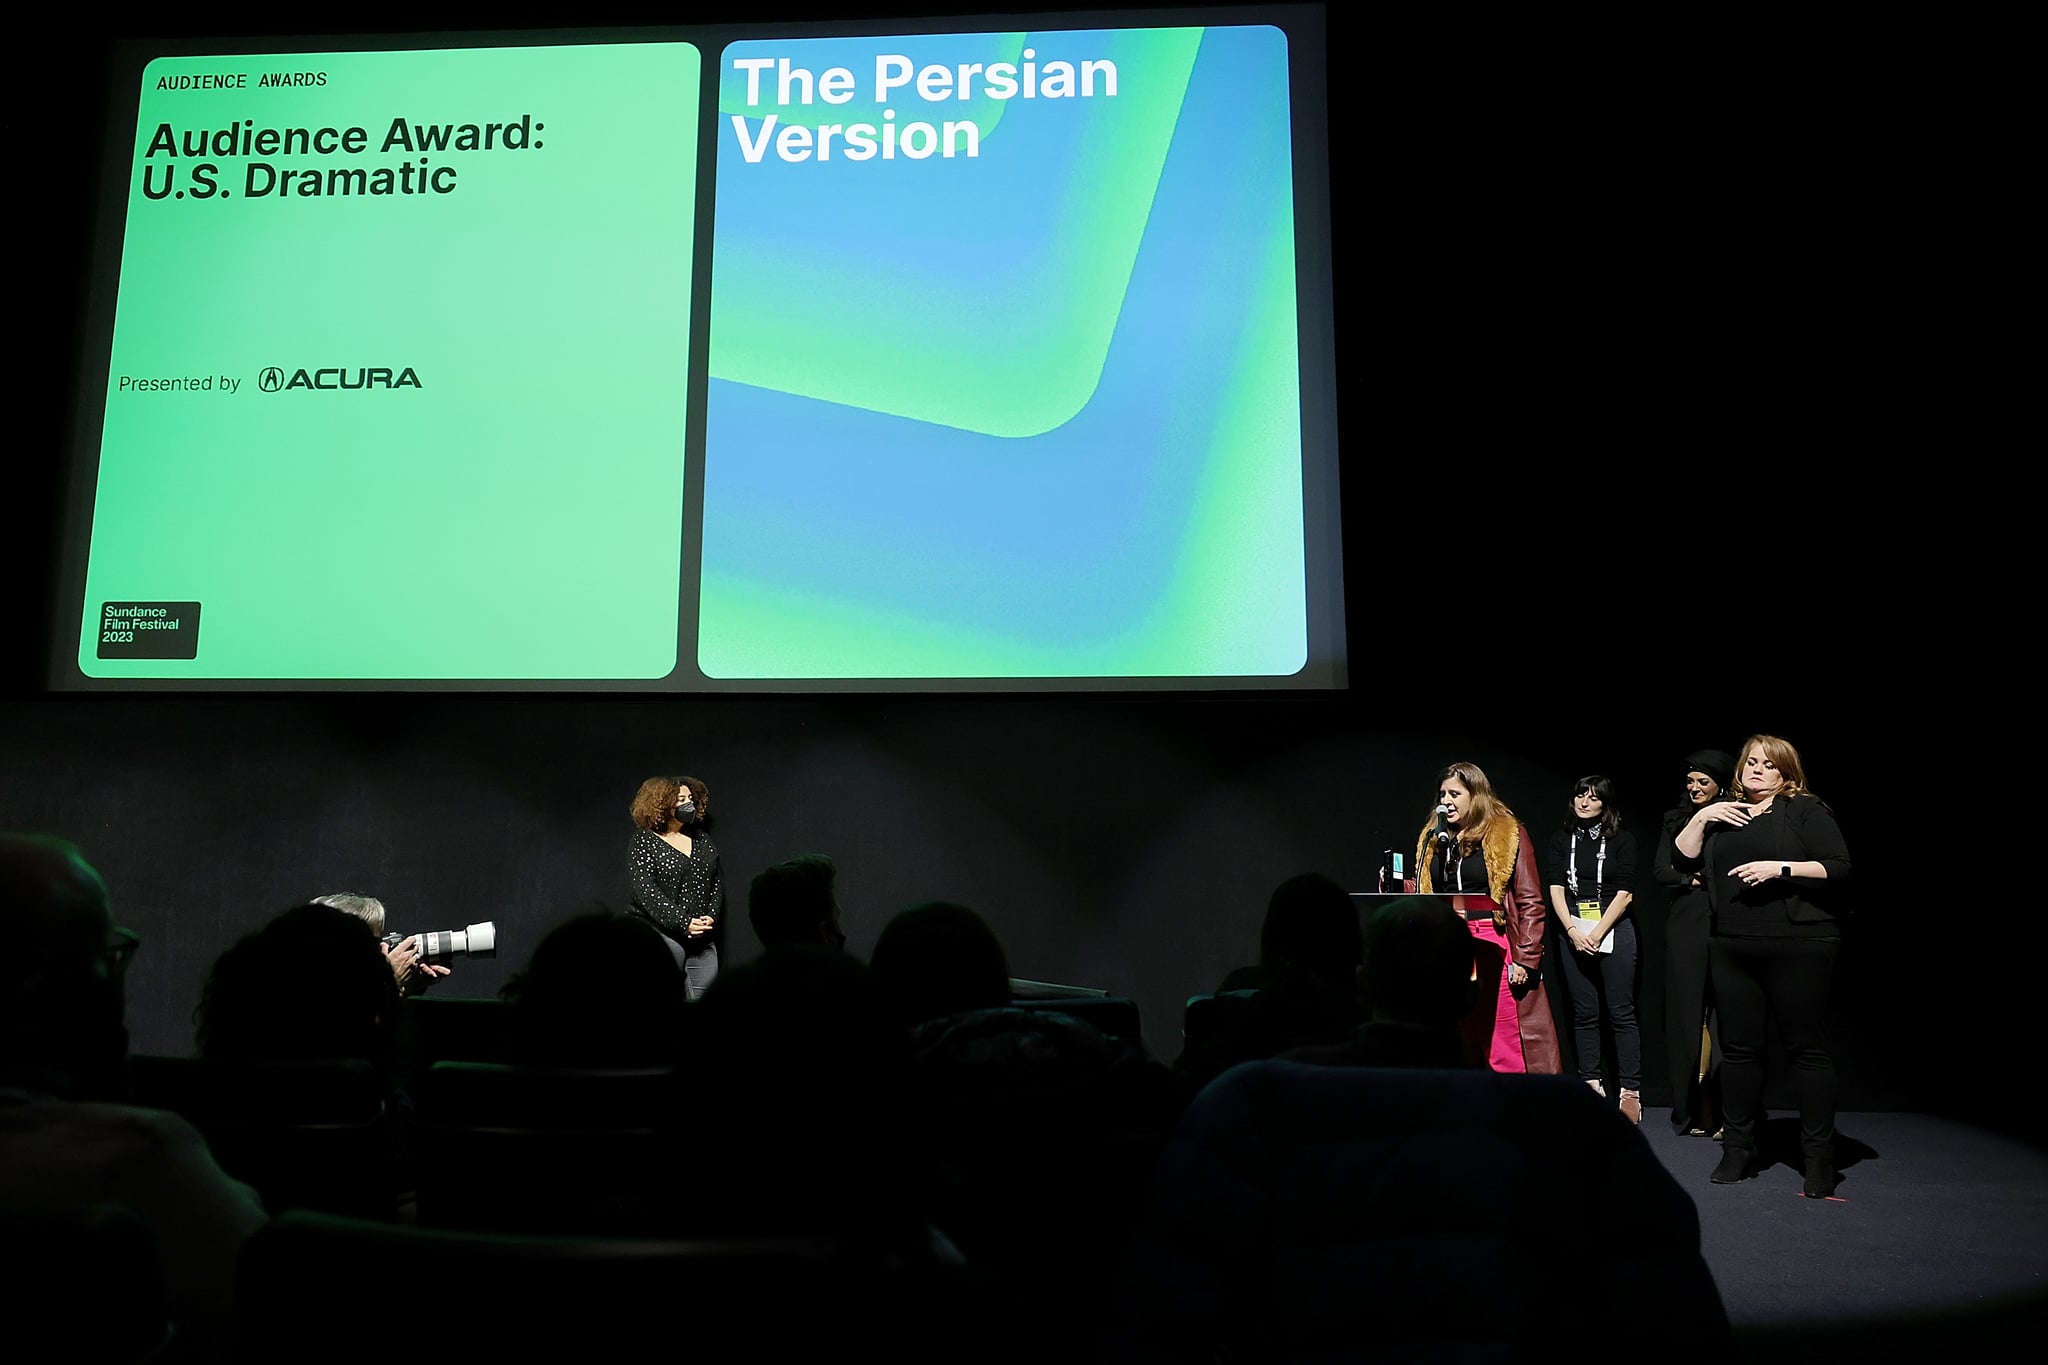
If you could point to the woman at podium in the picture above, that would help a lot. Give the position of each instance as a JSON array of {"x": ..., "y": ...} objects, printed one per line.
[{"x": 1473, "y": 848}]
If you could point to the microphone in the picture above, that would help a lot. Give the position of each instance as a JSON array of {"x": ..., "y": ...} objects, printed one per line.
[{"x": 1443, "y": 832}]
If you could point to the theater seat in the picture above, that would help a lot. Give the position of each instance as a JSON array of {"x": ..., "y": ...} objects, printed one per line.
[
  {"x": 317, "y": 1287},
  {"x": 1115, "y": 1015},
  {"x": 310, "y": 1134},
  {"x": 83, "y": 1285},
  {"x": 526, "y": 1149},
  {"x": 458, "y": 1028}
]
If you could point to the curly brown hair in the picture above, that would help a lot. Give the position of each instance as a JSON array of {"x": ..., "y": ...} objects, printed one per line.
[
  {"x": 654, "y": 805},
  {"x": 702, "y": 795}
]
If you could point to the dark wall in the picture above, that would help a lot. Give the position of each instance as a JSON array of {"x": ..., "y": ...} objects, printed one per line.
[
  {"x": 1585, "y": 531},
  {"x": 1126, "y": 844}
]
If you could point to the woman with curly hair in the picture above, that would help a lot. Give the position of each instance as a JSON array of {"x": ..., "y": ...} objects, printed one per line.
[
  {"x": 1475, "y": 850},
  {"x": 677, "y": 883}
]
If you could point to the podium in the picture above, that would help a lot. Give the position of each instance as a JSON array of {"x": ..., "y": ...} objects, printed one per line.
[{"x": 1489, "y": 960}]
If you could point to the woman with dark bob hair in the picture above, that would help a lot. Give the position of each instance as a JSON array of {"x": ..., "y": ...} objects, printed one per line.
[
  {"x": 1477, "y": 851},
  {"x": 677, "y": 883},
  {"x": 1592, "y": 881}
]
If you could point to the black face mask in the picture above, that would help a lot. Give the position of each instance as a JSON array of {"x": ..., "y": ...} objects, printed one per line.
[{"x": 686, "y": 812}]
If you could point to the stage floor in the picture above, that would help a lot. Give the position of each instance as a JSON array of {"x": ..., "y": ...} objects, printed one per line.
[{"x": 1938, "y": 1228}]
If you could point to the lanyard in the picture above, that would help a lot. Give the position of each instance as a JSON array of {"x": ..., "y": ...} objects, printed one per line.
[{"x": 1571, "y": 870}]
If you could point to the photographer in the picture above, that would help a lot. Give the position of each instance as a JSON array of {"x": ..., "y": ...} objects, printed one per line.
[{"x": 412, "y": 972}]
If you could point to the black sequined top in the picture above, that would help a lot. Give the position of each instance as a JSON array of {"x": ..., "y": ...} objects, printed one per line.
[{"x": 671, "y": 889}]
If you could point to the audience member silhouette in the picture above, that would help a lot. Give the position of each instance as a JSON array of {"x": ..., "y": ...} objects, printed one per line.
[
  {"x": 793, "y": 905},
  {"x": 796, "y": 1117},
  {"x": 940, "y": 959},
  {"x": 413, "y": 973},
  {"x": 601, "y": 991},
  {"x": 66, "y": 1145},
  {"x": 1420, "y": 985},
  {"x": 312, "y": 985},
  {"x": 1310, "y": 1212},
  {"x": 1304, "y": 988},
  {"x": 1050, "y": 1125},
  {"x": 301, "y": 988}
]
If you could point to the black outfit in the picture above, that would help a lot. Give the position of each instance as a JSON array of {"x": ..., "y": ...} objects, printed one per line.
[
  {"x": 1688, "y": 987},
  {"x": 670, "y": 890},
  {"x": 1774, "y": 946},
  {"x": 1593, "y": 866}
]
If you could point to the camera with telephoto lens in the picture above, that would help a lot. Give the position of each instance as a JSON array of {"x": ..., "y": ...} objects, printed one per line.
[{"x": 478, "y": 940}]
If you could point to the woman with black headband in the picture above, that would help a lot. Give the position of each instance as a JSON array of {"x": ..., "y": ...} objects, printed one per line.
[
  {"x": 1592, "y": 881},
  {"x": 1692, "y": 1030}
]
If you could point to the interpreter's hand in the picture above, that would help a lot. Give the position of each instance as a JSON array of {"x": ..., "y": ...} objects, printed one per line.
[
  {"x": 1724, "y": 813},
  {"x": 1585, "y": 940},
  {"x": 1756, "y": 874},
  {"x": 701, "y": 925},
  {"x": 1518, "y": 975}
]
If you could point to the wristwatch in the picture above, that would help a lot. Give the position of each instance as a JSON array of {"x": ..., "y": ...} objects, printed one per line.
[{"x": 1785, "y": 871}]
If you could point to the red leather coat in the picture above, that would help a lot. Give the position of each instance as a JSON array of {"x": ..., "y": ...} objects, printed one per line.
[{"x": 1516, "y": 889}]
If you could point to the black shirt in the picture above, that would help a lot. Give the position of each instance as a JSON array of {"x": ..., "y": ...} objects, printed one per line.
[
  {"x": 1576, "y": 852},
  {"x": 1791, "y": 830}
]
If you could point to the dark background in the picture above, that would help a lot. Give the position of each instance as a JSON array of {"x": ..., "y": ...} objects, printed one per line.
[{"x": 1593, "y": 324}]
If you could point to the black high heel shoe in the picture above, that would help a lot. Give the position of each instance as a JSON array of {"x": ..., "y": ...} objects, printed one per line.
[
  {"x": 1737, "y": 1163},
  {"x": 1820, "y": 1177}
]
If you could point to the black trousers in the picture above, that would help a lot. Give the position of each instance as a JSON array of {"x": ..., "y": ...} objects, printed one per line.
[
  {"x": 1786, "y": 979},
  {"x": 1689, "y": 1000},
  {"x": 1605, "y": 984}
]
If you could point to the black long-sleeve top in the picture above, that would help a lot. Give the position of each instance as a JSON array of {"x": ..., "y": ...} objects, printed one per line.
[
  {"x": 1664, "y": 868},
  {"x": 1795, "y": 829},
  {"x": 1576, "y": 848},
  {"x": 671, "y": 889}
]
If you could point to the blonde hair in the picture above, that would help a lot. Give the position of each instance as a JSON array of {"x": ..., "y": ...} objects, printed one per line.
[
  {"x": 1486, "y": 804},
  {"x": 1781, "y": 753}
]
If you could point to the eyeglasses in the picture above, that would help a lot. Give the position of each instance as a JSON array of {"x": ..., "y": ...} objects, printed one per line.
[{"x": 120, "y": 951}]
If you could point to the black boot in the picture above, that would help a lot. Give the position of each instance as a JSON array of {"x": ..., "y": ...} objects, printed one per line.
[
  {"x": 1820, "y": 1177},
  {"x": 1737, "y": 1163}
]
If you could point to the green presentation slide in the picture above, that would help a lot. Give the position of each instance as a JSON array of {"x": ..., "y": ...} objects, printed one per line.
[{"x": 398, "y": 385}]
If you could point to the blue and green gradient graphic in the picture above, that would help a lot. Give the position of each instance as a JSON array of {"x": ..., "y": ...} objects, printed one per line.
[{"x": 1027, "y": 410}]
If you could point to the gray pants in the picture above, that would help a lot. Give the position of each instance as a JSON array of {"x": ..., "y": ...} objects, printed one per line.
[{"x": 698, "y": 965}]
